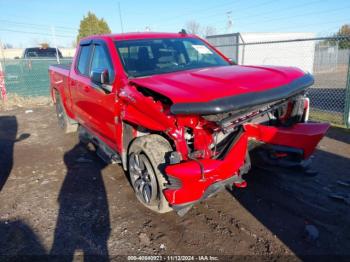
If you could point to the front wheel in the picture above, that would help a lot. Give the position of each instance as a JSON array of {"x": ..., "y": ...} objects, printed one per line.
[{"x": 146, "y": 162}]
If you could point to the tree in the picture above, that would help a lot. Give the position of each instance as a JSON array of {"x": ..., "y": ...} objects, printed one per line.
[
  {"x": 209, "y": 30},
  {"x": 7, "y": 45},
  {"x": 193, "y": 27},
  {"x": 92, "y": 25},
  {"x": 44, "y": 45},
  {"x": 344, "y": 31},
  {"x": 341, "y": 39}
]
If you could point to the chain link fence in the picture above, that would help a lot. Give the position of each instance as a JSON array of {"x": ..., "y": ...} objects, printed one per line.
[
  {"x": 327, "y": 58},
  {"x": 28, "y": 77}
]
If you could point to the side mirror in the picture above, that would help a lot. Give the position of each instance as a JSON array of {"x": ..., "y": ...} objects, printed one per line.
[{"x": 99, "y": 76}]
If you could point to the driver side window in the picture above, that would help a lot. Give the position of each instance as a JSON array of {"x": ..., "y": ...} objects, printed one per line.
[{"x": 100, "y": 60}]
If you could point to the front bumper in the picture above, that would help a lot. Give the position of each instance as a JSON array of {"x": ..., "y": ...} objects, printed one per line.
[{"x": 303, "y": 136}]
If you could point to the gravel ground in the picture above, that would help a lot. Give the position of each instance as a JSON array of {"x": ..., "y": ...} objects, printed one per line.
[{"x": 58, "y": 198}]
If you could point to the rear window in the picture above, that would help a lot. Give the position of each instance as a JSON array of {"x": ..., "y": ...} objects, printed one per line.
[{"x": 41, "y": 53}]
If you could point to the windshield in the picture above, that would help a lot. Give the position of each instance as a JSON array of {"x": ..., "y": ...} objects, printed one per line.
[{"x": 156, "y": 56}]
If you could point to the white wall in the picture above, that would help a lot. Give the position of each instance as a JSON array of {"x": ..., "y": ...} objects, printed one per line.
[
  {"x": 298, "y": 54},
  {"x": 11, "y": 53}
]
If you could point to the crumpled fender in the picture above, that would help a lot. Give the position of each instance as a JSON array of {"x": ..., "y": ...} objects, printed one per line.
[
  {"x": 144, "y": 111},
  {"x": 304, "y": 136}
]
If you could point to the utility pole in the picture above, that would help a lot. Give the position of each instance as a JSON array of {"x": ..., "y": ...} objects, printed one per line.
[
  {"x": 55, "y": 43},
  {"x": 120, "y": 18},
  {"x": 229, "y": 22}
]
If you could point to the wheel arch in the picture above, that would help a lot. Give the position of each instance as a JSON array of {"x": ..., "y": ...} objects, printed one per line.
[{"x": 130, "y": 132}]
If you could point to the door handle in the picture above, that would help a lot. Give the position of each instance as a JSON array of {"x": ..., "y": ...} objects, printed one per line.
[{"x": 86, "y": 88}]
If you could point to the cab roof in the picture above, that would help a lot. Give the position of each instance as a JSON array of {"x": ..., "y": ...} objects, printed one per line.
[{"x": 139, "y": 35}]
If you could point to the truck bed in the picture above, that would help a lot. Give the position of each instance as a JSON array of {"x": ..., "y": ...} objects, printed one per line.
[
  {"x": 62, "y": 66},
  {"x": 60, "y": 69},
  {"x": 59, "y": 82}
]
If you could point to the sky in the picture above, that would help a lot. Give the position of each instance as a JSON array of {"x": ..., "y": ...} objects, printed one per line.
[{"x": 27, "y": 23}]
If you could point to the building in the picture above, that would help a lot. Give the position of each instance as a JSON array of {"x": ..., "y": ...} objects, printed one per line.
[
  {"x": 268, "y": 48},
  {"x": 11, "y": 53}
]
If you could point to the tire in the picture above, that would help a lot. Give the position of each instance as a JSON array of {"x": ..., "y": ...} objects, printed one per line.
[
  {"x": 84, "y": 137},
  {"x": 146, "y": 162},
  {"x": 63, "y": 120}
]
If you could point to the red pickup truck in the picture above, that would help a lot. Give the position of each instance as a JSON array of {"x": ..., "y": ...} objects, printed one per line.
[{"x": 182, "y": 119}]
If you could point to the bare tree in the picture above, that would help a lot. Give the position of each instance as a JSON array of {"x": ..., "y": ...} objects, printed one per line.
[
  {"x": 193, "y": 27},
  {"x": 38, "y": 42},
  {"x": 7, "y": 45},
  {"x": 209, "y": 30}
]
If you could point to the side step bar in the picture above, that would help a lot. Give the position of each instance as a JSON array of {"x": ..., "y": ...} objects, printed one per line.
[{"x": 107, "y": 154}]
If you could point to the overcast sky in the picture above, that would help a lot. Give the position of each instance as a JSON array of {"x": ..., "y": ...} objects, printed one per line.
[{"x": 24, "y": 23}]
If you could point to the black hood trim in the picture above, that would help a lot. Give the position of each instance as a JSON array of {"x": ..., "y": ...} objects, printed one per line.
[{"x": 238, "y": 102}]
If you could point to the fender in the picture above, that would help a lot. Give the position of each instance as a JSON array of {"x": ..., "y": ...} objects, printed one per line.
[
  {"x": 144, "y": 111},
  {"x": 59, "y": 83}
]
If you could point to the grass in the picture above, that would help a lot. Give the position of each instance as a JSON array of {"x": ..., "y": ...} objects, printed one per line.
[
  {"x": 336, "y": 119},
  {"x": 16, "y": 101}
]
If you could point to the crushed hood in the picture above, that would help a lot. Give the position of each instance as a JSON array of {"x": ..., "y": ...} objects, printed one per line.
[{"x": 224, "y": 88}]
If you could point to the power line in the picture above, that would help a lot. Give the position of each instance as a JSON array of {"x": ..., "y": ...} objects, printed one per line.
[
  {"x": 35, "y": 33},
  {"x": 308, "y": 25},
  {"x": 300, "y": 15},
  {"x": 278, "y": 10},
  {"x": 63, "y": 28},
  {"x": 218, "y": 13},
  {"x": 190, "y": 11},
  {"x": 313, "y": 24},
  {"x": 238, "y": 18}
]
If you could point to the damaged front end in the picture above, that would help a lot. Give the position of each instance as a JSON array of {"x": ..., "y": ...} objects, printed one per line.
[
  {"x": 214, "y": 149},
  {"x": 213, "y": 141}
]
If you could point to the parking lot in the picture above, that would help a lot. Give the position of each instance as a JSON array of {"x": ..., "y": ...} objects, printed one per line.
[{"x": 57, "y": 197}]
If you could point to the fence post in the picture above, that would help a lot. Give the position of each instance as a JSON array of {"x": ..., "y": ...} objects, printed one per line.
[
  {"x": 2, "y": 84},
  {"x": 347, "y": 98},
  {"x": 55, "y": 43}
]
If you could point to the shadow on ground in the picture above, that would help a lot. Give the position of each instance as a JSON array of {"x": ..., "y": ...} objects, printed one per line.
[
  {"x": 339, "y": 134},
  {"x": 83, "y": 223},
  {"x": 18, "y": 242},
  {"x": 8, "y": 138},
  {"x": 286, "y": 203}
]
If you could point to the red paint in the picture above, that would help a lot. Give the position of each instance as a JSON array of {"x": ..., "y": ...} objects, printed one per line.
[
  {"x": 243, "y": 184},
  {"x": 302, "y": 136},
  {"x": 104, "y": 114},
  {"x": 198, "y": 85},
  {"x": 214, "y": 170}
]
